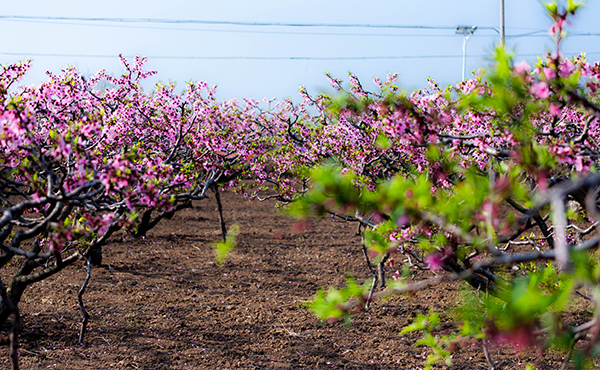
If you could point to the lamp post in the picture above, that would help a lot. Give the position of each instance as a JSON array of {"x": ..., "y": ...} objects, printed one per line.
[
  {"x": 468, "y": 32},
  {"x": 502, "y": 29}
]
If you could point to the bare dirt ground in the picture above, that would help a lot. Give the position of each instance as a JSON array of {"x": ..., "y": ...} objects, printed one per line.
[{"x": 162, "y": 303}]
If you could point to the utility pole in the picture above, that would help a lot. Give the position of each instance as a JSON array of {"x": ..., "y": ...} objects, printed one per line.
[
  {"x": 467, "y": 32},
  {"x": 502, "y": 34}
]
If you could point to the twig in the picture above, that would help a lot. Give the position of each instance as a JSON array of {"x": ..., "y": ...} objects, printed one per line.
[
  {"x": 381, "y": 270},
  {"x": 586, "y": 128},
  {"x": 85, "y": 315},
  {"x": 583, "y": 328},
  {"x": 373, "y": 272},
  {"x": 31, "y": 352},
  {"x": 14, "y": 341},
  {"x": 292, "y": 333},
  {"x": 215, "y": 189},
  {"x": 489, "y": 216},
  {"x": 447, "y": 226},
  {"x": 560, "y": 238},
  {"x": 584, "y": 296},
  {"x": 568, "y": 356},
  {"x": 524, "y": 242},
  {"x": 476, "y": 268},
  {"x": 488, "y": 357},
  {"x": 363, "y": 220}
]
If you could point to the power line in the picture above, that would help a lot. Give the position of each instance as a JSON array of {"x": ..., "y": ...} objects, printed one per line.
[
  {"x": 241, "y": 31},
  {"x": 52, "y": 20},
  {"x": 231, "y": 57},
  {"x": 446, "y": 56},
  {"x": 544, "y": 34},
  {"x": 231, "y": 23}
]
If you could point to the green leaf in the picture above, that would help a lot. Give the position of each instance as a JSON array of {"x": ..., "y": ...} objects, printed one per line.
[
  {"x": 383, "y": 142},
  {"x": 551, "y": 8},
  {"x": 328, "y": 306},
  {"x": 222, "y": 249},
  {"x": 573, "y": 6}
]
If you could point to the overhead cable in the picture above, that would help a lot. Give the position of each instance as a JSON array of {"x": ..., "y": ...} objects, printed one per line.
[
  {"x": 234, "y": 23},
  {"x": 446, "y": 56}
]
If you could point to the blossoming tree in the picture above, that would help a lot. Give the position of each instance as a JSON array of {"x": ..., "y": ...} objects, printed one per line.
[
  {"x": 79, "y": 163},
  {"x": 473, "y": 182}
]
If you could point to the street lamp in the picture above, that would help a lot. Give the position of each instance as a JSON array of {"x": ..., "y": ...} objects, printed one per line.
[{"x": 468, "y": 32}]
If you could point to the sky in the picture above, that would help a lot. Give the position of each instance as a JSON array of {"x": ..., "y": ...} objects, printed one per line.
[{"x": 268, "y": 48}]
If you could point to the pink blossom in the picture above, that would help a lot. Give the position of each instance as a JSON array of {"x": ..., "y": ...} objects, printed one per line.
[
  {"x": 402, "y": 221},
  {"x": 549, "y": 73},
  {"x": 542, "y": 183},
  {"x": 435, "y": 261},
  {"x": 578, "y": 163},
  {"x": 377, "y": 81},
  {"x": 556, "y": 28},
  {"x": 540, "y": 90},
  {"x": 566, "y": 68},
  {"x": 522, "y": 67},
  {"x": 554, "y": 110},
  {"x": 54, "y": 247}
]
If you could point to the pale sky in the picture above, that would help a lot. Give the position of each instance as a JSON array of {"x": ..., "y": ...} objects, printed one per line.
[{"x": 273, "y": 60}]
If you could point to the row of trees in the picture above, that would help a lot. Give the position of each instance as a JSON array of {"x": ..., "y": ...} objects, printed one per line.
[
  {"x": 79, "y": 164},
  {"x": 475, "y": 181},
  {"x": 463, "y": 180}
]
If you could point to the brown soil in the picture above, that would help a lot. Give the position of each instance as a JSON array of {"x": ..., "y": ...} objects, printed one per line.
[{"x": 162, "y": 303}]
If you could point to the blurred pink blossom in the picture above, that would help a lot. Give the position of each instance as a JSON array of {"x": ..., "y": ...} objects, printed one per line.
[{"x": 540, "y": 90}]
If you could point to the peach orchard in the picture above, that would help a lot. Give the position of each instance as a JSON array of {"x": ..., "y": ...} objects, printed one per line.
[{"x": 494, "y": 174}]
